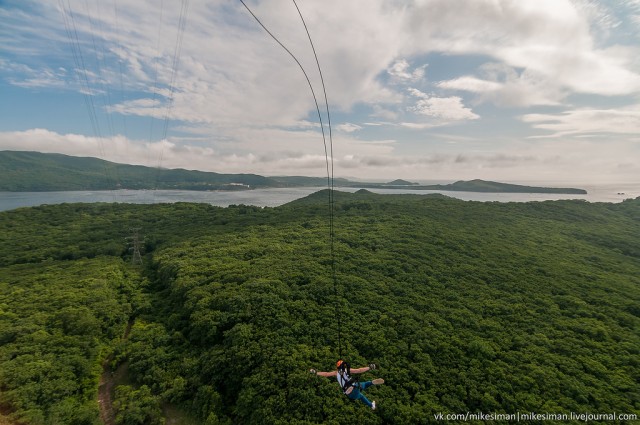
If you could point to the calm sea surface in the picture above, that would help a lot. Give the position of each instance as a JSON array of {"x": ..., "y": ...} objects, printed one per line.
[{"x": 276, "y": 197}]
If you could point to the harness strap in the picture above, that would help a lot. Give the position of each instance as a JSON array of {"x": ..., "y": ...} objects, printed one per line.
[{"x": 348, "y": 383}]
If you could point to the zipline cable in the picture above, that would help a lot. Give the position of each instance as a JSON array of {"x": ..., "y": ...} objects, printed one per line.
[
  {"x": 330, "y": 183},
  {"x": 326, "y": 153}
]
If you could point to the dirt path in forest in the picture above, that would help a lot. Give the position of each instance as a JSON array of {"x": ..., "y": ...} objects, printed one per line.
[
  {"x": 5, "y": 415},
  {"x": 5, "y": 412},
  {"x": 107, "y": 385},
  {"x": 105, "y": 390}
]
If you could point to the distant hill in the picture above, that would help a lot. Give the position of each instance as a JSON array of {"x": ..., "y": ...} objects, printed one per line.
[
  {"x": 400, "y": 182},
  {"x": 293, "y": 181},
  {"x": 475, "y": 186},
  {"x": 488, "y": 186},
  {"x": 35, "y": 171}
]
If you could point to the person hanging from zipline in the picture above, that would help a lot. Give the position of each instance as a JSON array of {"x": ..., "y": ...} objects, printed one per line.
[{"x": 351, "y": 385}]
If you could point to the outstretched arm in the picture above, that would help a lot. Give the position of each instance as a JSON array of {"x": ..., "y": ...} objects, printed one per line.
[
  {"x": 325, "y": 374},
  {"x": 335, "y": 372},
  {"x": 361, "y": 370}
]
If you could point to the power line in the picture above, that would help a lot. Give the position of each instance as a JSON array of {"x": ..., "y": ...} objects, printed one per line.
[
  {"x": 82, "y": 74},
  {"x": 72, "y": 35},
  {"x": 135, "y": 241},
  {"x": 121, "y": 73},
  {"x": 102, "y": 81},
  {"x": 155, "y": 70},
  {"x": 182, "y": 23}
]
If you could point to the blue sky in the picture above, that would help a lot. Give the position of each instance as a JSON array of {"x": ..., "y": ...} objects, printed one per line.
[{"x": 513, "y": 91}]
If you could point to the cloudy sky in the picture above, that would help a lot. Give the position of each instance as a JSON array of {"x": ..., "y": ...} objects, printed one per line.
[{"x": 506, "y": 90}]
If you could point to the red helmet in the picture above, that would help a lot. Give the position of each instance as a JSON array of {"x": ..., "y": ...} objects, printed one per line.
[{"x": 339, "y": 363}]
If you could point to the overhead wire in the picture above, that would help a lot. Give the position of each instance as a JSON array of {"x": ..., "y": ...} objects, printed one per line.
[
  {"x": 155, "y": 71},
  {"x": 123, "y": 97},
  {"x": 104, "y": 86},
  {"x": 82, "y": 74},
  {"x": 329, "y": 164},
  {"x": 85, "y": 77},
  {"x": 182, "y": 23},
  {"x": 106, "y": 92},
  {"x": 81, "y": 69},
  {"x": 154, "y": 102},
  {"x": 175, "y": 62}
]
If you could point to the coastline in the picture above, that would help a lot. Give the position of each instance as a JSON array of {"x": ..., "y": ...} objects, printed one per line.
[{"x": 273, "y": 197}]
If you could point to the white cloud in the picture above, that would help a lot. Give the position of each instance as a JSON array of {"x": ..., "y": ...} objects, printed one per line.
[
  {"x": 588, "y": 71},
  {"x": 444, "y": 109},
  {"x": 280, "y": 151},
  {"x": 348, "y": 127},
  {"x": 140, "y": 107},
  {"x": 550, "y": 38},
  {"x": 472, "y": 84},
  {"x": 418, "y": 125},
  {"x": 28, "y": 77},
  {"x": 588, "y": 121},
  {"x": 597, "y": 160},
  {"x": 384, "y": 113},
  {"x": 400, "y": 71},
  {"x": 248, "y": 101},
  {"x": 504, "y": 86},
  {"x": 568, "y": 162},
  {"x": 230, "y": 69}
]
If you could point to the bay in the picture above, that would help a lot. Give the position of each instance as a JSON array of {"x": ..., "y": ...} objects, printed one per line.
[{"x": 273, "y": 197}]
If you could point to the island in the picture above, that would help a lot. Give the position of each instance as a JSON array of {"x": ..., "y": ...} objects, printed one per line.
[
  {"x": 495, "y": 187},
  {"x": 476, "y": 185}
]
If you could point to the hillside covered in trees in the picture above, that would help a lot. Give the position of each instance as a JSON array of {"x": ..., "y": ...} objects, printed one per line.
[
  {"x": 41, "y": 172},
  {"x": 36, "y": 172},
  {"x": 475, "y": 185},
  {"x": 465, "y": 307}
]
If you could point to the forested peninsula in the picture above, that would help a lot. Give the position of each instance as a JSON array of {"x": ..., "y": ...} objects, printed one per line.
[
  {"x": 476, "y": 185},
  {"x": 39, "y": 172},
  {"x": 464, "y": 306}
]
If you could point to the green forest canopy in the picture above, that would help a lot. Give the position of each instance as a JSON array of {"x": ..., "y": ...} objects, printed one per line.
[{"x": 465, "y": 306}]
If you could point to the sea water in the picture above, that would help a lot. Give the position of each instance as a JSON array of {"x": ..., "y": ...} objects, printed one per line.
[{"x": 273, "y": 197}]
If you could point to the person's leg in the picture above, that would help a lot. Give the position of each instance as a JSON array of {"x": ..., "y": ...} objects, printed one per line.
[
  {"x": 356, "y": 394},
  {"x": 365, "y": 385},
  {"x": 364, "y": 399}
]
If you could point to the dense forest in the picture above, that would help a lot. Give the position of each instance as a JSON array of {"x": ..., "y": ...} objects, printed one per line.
[{"x": 464, "y": 306}]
